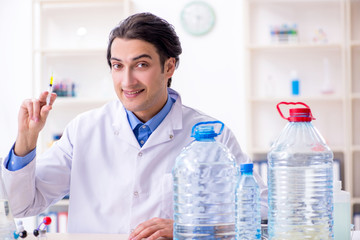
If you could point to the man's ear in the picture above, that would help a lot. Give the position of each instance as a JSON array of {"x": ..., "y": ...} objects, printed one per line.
[{"x": 169, "y": 67}]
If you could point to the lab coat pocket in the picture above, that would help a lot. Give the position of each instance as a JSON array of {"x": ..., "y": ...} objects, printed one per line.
[{"x": 167, "y": 196}]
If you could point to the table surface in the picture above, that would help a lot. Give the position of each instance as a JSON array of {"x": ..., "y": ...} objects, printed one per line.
[{"x": 68, "y": 236}]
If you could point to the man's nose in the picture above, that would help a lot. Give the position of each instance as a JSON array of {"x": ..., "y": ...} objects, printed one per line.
[{"x": 128, "y": 78}]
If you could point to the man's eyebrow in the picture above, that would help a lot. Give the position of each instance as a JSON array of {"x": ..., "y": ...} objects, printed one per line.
[
  {"x": 116, "y": 59},
  {"x": 142, "y": 56},
  {"x": 135, "y": 58}
]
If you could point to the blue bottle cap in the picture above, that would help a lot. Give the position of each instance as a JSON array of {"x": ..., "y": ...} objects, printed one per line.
[
  {"x": 246, "y": 167},
  {"x": 205, "y": 130}
]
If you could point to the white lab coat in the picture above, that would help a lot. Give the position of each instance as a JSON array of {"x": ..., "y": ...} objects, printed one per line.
[{"x": 114, "y": 184}]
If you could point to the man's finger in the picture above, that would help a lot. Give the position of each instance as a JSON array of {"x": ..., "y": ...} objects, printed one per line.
[
  {"x": 36, "y": 109},
  {"x": 29, "y": 107},
  {"x": 159, "y": 233},
  {"x": 138, "y": 232},
  {"x": 153, "y": 229}
]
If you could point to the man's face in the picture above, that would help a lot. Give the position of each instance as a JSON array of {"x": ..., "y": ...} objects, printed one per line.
[{"x": 139, "y": 81}]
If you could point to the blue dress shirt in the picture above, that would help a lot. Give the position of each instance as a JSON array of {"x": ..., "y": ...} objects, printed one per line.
[{"x": 142, "y": 131}]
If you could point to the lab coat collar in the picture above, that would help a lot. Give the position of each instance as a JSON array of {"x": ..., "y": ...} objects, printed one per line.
[{"x": 163, "y": 133}]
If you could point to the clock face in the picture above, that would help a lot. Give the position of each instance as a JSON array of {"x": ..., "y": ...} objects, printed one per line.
[{"x": 198, "y": 18}]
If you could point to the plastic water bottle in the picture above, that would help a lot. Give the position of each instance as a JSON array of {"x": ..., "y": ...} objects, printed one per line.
[
  {"x": 300, "y": 180},
  {"x": 342, "y": 225},
  {"x": 204, "y": 177},
  {"x": 7, "y": 224},
  {"x": 248, "y": 215}
]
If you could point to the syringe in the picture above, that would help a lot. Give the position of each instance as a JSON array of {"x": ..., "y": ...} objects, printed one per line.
[{"x": 50, "y": 90}]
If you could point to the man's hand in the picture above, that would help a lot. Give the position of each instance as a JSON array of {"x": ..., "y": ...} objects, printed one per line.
[
  {"x": 31, "y": 119},
  {"x": 153, "y": 229}
]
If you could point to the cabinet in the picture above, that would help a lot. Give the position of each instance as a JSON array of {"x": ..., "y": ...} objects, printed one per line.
[
  {"x": 70, "y": 39},
  {"x": 319, "y": 41}
]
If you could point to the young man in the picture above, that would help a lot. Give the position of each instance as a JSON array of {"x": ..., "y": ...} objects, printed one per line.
[{"x": 116, "y": 161}]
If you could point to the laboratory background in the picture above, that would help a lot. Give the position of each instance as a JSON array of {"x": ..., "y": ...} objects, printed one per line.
[{"x": 240, "y": 58}]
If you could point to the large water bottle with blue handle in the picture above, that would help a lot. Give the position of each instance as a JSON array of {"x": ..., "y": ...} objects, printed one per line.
[
  {"x": 300, "y": 180},
  {"x": 204, "y": 177}
]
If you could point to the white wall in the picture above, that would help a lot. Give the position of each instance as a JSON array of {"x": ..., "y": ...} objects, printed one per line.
[
  {"x": 209, "y": 78},
  {"x": 210, "y": 75},
  {"x": 15, "y": 66}
]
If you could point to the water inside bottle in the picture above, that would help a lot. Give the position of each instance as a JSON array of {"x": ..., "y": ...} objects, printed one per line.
[
  {"x": 202, "y": 232},
  {"x": 204, "y": 201},
  {"x": 305, "y": 205},
  {"x": 200, "y": 199}
]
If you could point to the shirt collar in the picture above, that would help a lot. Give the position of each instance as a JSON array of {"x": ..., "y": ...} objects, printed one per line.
[{"x": 155, "y": 121}]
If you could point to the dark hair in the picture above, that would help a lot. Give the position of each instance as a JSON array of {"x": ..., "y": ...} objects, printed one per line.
[{"x": 152, "y": 29}]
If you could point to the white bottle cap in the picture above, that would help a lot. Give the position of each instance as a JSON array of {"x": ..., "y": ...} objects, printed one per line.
[
  {"x": 337, "y": 186},
  {"x": 339, "y": 195},
  {"x": 294, "y": 75}
]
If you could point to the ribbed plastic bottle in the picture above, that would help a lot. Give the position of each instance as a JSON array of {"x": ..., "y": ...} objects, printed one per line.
[
  {"x": 300, "y": 180},
  {"x": 205, "y": 177},
  {"x": 248, "y": 215},
  {"x": 341, "y": 213},
  {"x": 7, "y": 224}
]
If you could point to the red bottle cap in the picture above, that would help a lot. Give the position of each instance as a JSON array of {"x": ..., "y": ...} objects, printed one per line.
[{"x": 296, "y": 114}]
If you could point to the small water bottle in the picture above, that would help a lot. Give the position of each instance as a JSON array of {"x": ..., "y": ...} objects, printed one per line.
[
  {"x": 248, "y": 215},
  {"x": 300, "y": 180},
  {"x": 342, "y": 225},
  {"x": 204, "y": 177}
]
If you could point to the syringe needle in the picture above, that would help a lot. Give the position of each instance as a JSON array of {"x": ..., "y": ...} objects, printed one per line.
[{"x": 50, "y": 90}]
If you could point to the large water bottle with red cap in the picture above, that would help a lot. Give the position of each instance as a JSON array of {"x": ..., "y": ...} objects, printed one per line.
[{"x": 300, "y": 179}]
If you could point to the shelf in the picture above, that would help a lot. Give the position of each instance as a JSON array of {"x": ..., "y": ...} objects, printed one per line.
[
  {"x": 356, "y": 148},
  {"x": 78, "y": 3},
  {"x": 294, "y": 1},
  {"x": 70, "y": 51},
  {"x": 295, "y": 46},
  {"x": 355, "y": 96},
  {"x": 355, "y": 200},
  {"x": 355, "y": 43},
  {"x": 296, "y": 99},
  {"x": 78, "y": 102}
]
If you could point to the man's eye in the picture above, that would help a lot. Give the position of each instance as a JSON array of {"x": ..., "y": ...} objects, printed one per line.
[
  {"x": 116, "y": 66},
  {"x": 142, "y": 65}
]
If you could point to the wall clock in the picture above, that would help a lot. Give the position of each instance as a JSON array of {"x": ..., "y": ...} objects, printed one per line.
[{"x": 198, "y": 18}]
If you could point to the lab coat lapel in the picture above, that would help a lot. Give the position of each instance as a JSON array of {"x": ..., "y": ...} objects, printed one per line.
[
  {"x": 163, "y": 133},
  {"x": 122, "y": 129},
  {"x": 166, "y": 130}
]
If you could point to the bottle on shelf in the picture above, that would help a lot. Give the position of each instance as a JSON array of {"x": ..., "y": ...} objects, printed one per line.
[
  {"x": 295, "y": 83},
  {"x": 327, "y": 87},
  {"x": 248, "y": 215},
  {"x": 300, "y": 180},
  {"x": 204, "y": 177},
  {"x": 284, "y": 33},
  {"x": 342, "y": 224}
]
